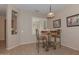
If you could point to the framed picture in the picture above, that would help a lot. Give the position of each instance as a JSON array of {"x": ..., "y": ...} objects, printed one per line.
[
  {"x": 14, "y": 22},
  {"x": 57, "y": 23},
  {"x": 73, "y": 20}
]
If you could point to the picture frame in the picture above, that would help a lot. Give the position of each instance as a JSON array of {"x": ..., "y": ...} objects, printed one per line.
[
  {"x": 57, "y": 23},
  {"x": 14, "y": 22},
  {"x": 72, "y": 20}
]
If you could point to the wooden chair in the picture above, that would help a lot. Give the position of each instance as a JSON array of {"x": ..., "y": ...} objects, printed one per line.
[
  {"x": 44, "y": 35},
  {"x": 40, "y": 41},
  {"x": 56, "y": 35},
  {"x": 59, "y": 36}
]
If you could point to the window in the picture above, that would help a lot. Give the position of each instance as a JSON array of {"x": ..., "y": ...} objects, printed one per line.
[{"x": 38, "y": 23}]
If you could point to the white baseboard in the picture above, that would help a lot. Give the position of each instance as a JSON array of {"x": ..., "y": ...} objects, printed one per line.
[
  {"x": 20, "y": 44},
  {"x": 9, "y": 48},
  {"x": 70, "y": 47},
  {"x": 27, "y": 42},
  {"x": 35, "y": 42}
]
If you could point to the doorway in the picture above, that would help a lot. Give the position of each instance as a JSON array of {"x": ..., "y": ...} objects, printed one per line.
[{"x": 2, "y": 32}]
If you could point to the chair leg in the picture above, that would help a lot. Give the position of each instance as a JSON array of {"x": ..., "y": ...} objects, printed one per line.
[
  {"x": 37, "y": 46},
  {"x": 54, "y": 42},
  {"x": 54, "y": 46},
  {"x": 43, "y": 44},
  {"x": 60, "y": 42},
  {"x": 47, "y": 46}
]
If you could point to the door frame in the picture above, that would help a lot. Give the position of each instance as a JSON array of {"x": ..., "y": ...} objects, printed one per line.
[{"x": 5, "y": 32}]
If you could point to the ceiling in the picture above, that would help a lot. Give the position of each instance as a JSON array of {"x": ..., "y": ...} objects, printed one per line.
[
  {"x": 3, "y": 9},
  {"x": 40, "y": 8}
]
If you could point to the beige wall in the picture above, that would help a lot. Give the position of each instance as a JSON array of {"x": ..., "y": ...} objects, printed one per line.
[
  {"x": 70, "y": 35},
  {"x": 49, "y": 23},
  {"x": 11, "y": 40},
  {"x": 24, "y": 28}
]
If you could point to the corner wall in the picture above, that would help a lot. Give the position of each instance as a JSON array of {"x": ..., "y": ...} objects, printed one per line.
[
  {"x": 11, "y": 40},
  {"x": 70, "y": 35}
]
